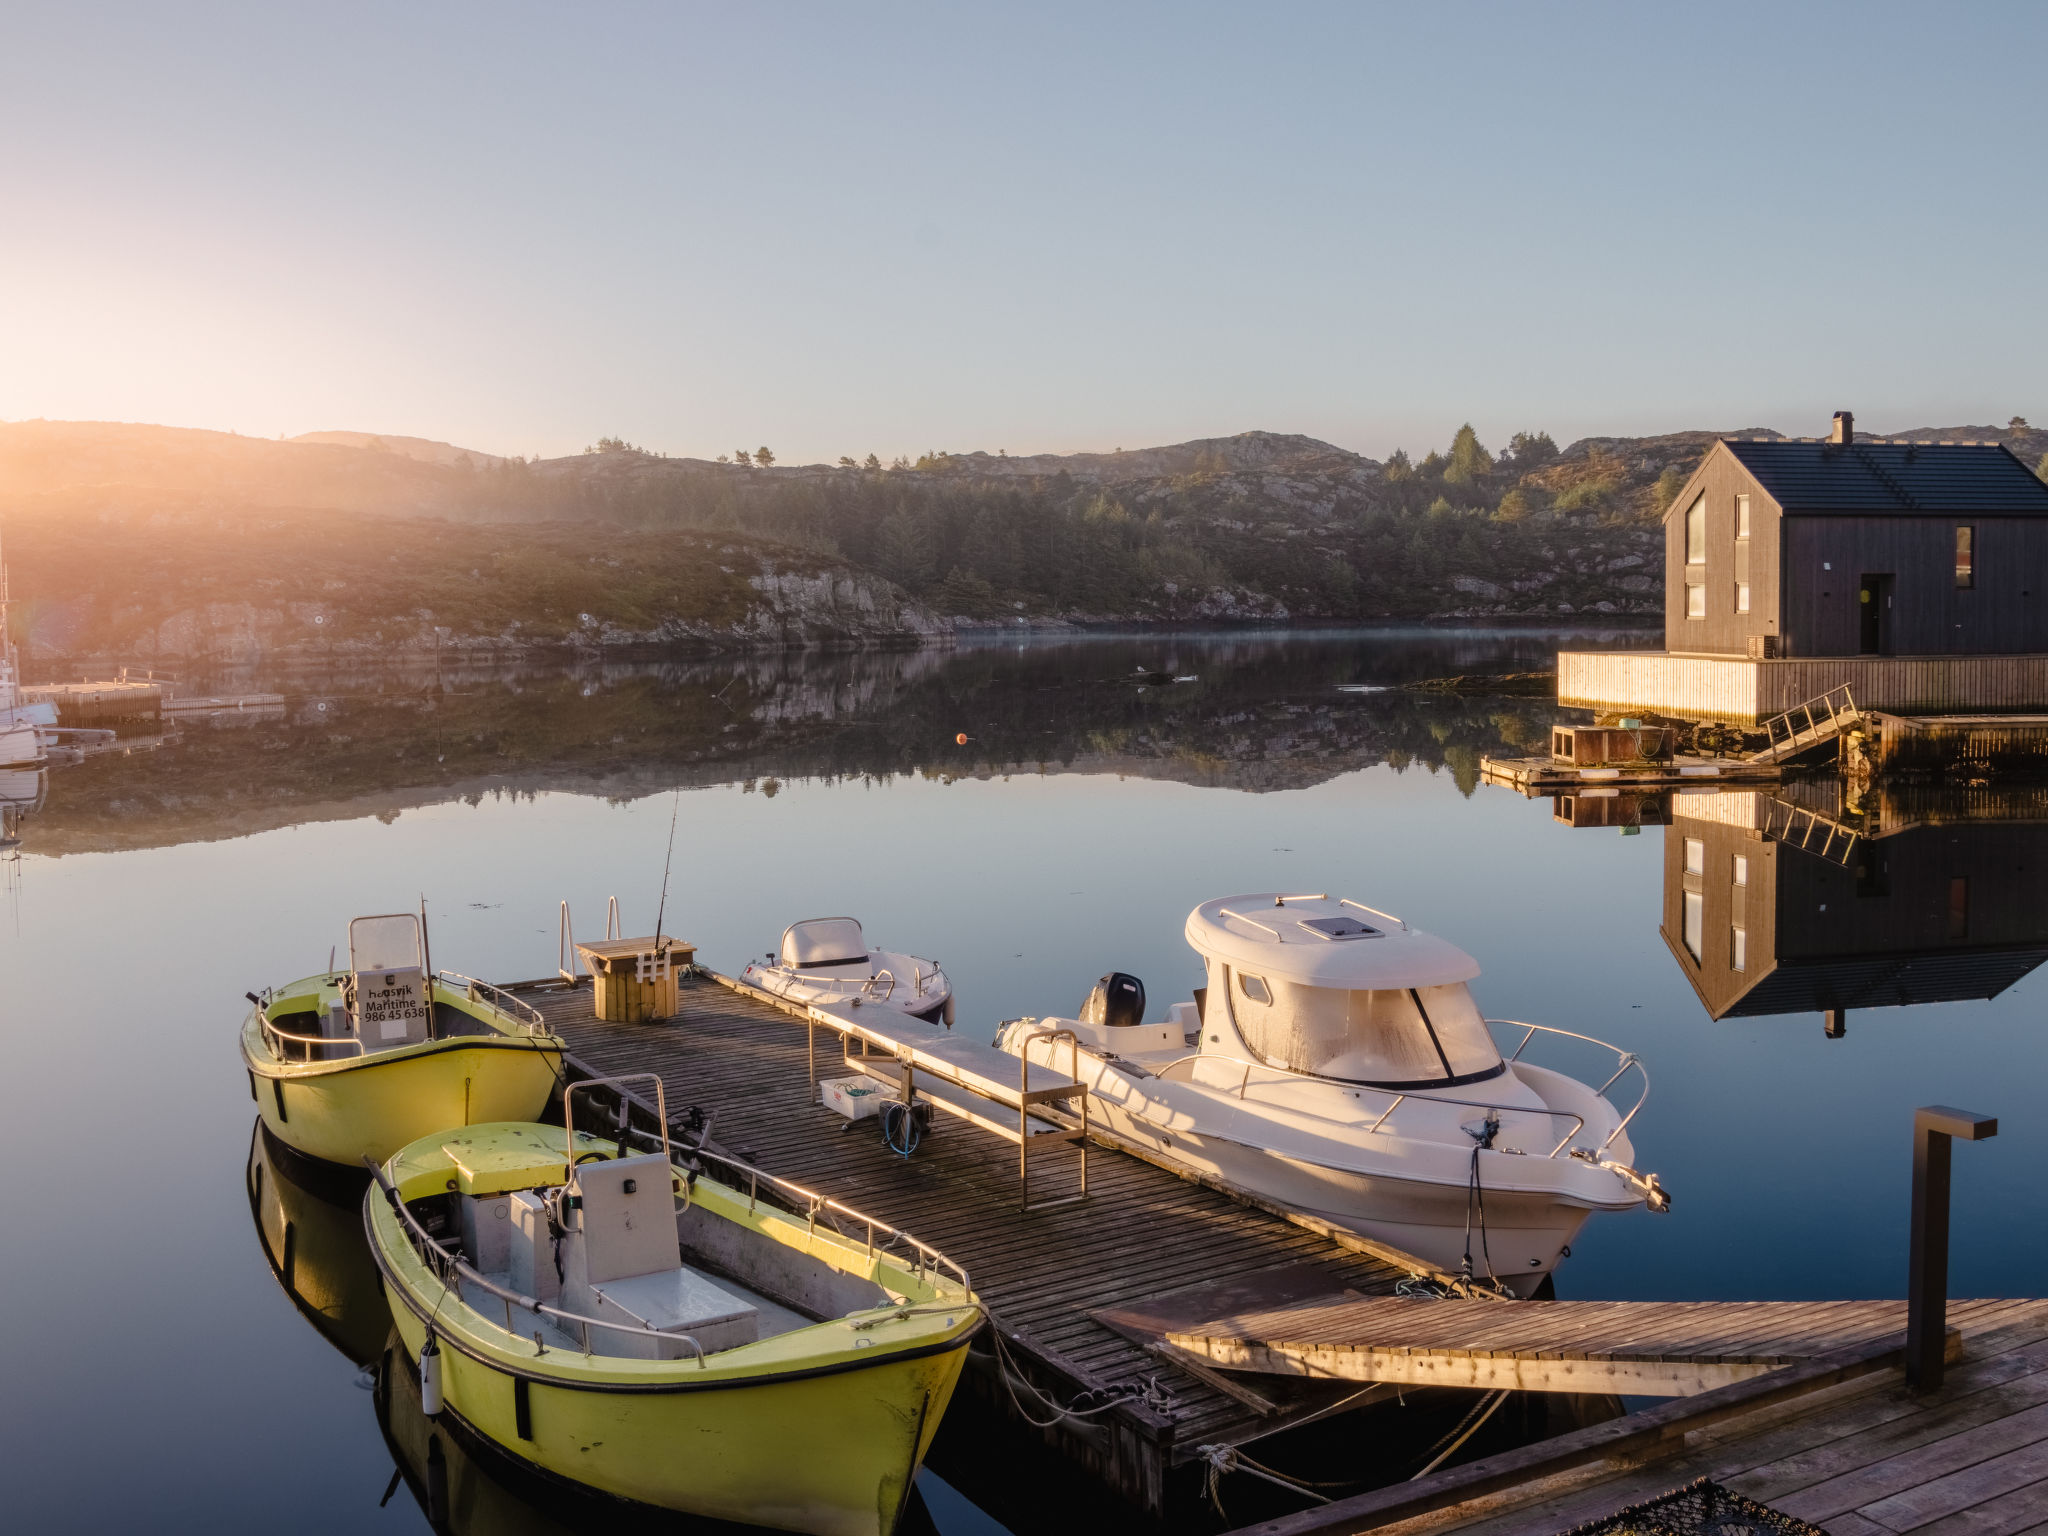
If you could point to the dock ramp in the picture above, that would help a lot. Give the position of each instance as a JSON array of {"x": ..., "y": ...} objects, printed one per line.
[{"x": 1639, "y": 1348}]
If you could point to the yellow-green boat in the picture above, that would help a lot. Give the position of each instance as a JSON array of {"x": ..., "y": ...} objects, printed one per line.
[
  {"x": 310, "y": 1219},
  {"x": 359, "y": 1062},
  {"x": 628, "y": 1322}
]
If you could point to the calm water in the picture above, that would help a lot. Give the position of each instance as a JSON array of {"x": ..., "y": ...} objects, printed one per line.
[{"x": 158, "y": 1375}]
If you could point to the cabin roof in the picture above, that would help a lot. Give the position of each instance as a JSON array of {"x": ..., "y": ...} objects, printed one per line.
[
  {"x": 1904, "y": 478},
  {"x": 1894, "y": 980},
  {"x": 1322, "y": 941}
]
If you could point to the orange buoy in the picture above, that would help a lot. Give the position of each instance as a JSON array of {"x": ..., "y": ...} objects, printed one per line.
[{"x": 960, "y": 740}]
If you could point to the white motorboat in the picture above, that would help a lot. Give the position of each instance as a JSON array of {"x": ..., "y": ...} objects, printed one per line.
[
  {"x": 1337, "y": 1065},
  {"x": 827, "y": 960}
]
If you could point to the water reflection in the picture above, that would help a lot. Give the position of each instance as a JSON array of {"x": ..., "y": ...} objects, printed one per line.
[
  {"x": 1262, "y": 713},
  {"x": 1798, "y": 901},
  {"x": 310, "y": 1220}
]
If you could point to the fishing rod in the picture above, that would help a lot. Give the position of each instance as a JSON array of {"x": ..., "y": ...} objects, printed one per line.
[{"x": 662, "y": 911}]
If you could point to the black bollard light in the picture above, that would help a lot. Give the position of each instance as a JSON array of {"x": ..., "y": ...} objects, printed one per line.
[{"x": 1934, "y": 1128}]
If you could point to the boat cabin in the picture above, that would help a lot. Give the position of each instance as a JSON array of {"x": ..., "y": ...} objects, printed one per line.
[
  {"x": 1333, "y": 989},
  {"x": 1857, "y": 547}
]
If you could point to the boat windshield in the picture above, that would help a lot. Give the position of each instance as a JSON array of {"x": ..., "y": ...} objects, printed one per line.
[{"x": 1405, "y": 1037}]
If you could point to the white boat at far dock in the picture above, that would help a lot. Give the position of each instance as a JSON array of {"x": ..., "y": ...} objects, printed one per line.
[
  {"x": 1337, "y": 1065},
  {"x": 825, "y": 960}
]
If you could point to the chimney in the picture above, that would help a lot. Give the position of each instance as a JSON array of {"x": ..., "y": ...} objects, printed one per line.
[{"x": 1844, "y": 429}]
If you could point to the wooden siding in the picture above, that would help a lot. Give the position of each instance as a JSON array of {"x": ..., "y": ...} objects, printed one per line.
[
  {"x": 1744, "y": 692},
  {"x": 1725, "y": 905},
  {"x": 1723, "y": 631},
  {"x": 2005, "y": 611}
]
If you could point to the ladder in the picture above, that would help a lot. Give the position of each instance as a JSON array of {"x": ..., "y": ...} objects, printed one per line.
[{"x": 1803, "y": 726}]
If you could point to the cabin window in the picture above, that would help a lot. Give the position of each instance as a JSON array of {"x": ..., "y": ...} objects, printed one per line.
[
  {"x": 1695, "y": 922},
  {"x": 1966, "y": 556},
  {"x": 1742, "y": 597},
  {"x": 1408, "y": 1037},
  {"x": 1741, "y": 876},
  {"x": 1738, "y": 949},
  {"x": 1959, "y": 907},
  {"x": 1742, "y": 516},
  {"x": 1695, "y": 596},
  {"x": 1695, "y": 856},
  {"x": 1696, "y": 533},
  {"x": 1254, "y": 987}
]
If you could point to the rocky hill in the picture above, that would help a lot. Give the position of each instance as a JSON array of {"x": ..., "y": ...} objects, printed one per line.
[{"x": 1260, "y": 526}]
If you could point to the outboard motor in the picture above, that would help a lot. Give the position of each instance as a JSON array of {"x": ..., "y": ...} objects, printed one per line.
[{"x": 1118, "y": 999}]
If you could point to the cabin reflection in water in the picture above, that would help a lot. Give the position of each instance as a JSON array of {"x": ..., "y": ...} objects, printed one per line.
[{"x": 1771, "y": 908}]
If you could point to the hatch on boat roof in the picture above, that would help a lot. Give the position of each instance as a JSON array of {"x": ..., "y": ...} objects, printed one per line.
[{"x": 1317, "y": 941}]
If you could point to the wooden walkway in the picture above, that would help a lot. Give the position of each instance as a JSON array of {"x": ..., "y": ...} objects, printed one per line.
[
  {"x": 1634, "y": 1348},
  {"x": 1839, "y": 1442},
  {"x": 1143, "y": 1239}
]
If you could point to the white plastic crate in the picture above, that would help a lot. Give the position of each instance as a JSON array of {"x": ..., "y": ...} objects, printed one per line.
[{"x": 854, "y": 1097}]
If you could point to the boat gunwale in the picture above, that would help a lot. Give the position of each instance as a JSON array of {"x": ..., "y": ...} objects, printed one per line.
[
  {"x": 266, "y": 1063},
  {"x": 876, "y": 1354}
]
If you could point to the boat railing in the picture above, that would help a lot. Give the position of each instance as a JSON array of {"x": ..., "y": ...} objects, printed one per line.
[
  {"x": 868, "y": 987},
  {"x": 1193, "y": 1057},
  {"x": 926, "y": 1261},
  {"x": 273, "y": 1036},
  {"x": 1624, "y": 1062},
  {"x": 528, "y": 1017},
  {"x": 1400, "y": 1097},
  {"x": 451, "y": 1269}
]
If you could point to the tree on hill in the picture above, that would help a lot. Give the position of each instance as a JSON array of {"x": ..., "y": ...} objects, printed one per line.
[
  {"x": 741, "y": 456},
  {"x": 1468, "y": 460},
  {"x": 1526, "y": 450},
  {"x": 871, "y": 462},
  {"x": 763, "y": 457},
  {"x": 846, "y": 462}
]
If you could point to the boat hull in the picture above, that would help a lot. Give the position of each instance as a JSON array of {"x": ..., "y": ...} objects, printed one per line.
[
  {"x": 370, "y": 1106},
  {"x": 833, "y": 1454}
]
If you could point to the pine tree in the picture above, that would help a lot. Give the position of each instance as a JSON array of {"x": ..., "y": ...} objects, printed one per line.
[
  {"x": 1468, "y": 459},
  {"x": 763, "y": 457}
]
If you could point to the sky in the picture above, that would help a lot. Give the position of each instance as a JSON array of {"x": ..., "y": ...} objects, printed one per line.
[{"x": 849, "y": 229}]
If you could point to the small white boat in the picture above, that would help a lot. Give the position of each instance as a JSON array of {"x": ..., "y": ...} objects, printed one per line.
[
  {"x": 24, "y": 726},
  {"x": 1337, "y": 1065},
  {"x": 827, "y": 960}
]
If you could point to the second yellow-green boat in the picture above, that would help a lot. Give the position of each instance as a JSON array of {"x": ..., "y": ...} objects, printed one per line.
[
  {"x": 358, "y": 1062},
  {"x": 641, "y": 1328}
]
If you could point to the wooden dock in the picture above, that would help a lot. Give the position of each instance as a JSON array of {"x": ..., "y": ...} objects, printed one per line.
[
  {"x": 1633, "y": 1348},
  {"x": 1545, "y": 776},
  {"x": 92, "y": 704},
  {"x": 1080, "y": 1292},
  {"x": 1839, "y": 1442}
]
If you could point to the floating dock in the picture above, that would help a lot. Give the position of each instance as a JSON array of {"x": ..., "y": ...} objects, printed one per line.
[
  {"x": 1546, "y": 776},
  {"x": 1838, "y": 1442},
  {"x": 1082, "y": 1292}
]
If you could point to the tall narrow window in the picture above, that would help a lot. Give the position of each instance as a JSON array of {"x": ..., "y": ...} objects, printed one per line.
[
  {"x": 1695, "y": 922},
  {"x": 1959, "y": 907},
  {"x": 1742, "y": 516},
  {"x": 1966, "y": 556},
  {"x": 1696, "y": 560},
  {"x": 1742, "y": 597},
  {"x": 1741, "y": 870},
  {"x": 1738, "y": 949},
  {"x": 1695, "y": 856}
]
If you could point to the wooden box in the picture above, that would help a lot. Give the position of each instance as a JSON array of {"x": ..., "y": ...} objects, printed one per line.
[{"x": 635, "y": 979}]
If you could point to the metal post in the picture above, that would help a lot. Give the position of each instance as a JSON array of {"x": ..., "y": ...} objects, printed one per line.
[
  {"x": 1835, "y": 1024},
  {"x": 1934, "y": 1127}
]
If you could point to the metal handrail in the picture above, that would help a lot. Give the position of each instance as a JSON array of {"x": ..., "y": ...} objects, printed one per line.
[
  {"x": 272, "y": 1033},
  {"x": 1243, "y": 1082},
  {"x": 498, "y": 998},
  {"x": 1401, "y": 1096},
  {"x": 1624, "y": 1060},
  {"x": 868, "y": 986},
  {"x": 813, "y": 1203},
  {"x": 617, "y": 1085},
  {"x": 443, "y": 1262}
]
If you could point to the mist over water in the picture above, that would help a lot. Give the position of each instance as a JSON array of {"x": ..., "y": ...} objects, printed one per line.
[{"x": 1095, "y": 802}]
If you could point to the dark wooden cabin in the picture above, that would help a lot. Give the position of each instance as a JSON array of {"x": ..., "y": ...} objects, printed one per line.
[
  {"x": 1848, "y": 547},
  {"x": 1933, "y": 914}
]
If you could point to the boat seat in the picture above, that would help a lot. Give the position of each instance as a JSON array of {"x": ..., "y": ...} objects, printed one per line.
[
  {"x": 625, "y": 1265},
  {"x": 629, "y": 1217},
  {"x": 820, "y": 942}
]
